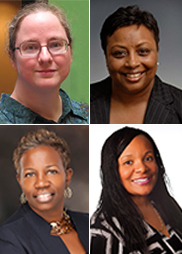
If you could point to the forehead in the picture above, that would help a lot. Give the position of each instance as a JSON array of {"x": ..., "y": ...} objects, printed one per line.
[
  {"x": 133, "y": 34},
  {"x": 139, "y": 143},
  {"x": 40, "y": 25}
]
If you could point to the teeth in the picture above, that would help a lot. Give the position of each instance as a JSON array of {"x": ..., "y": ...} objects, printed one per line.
[
  {"x": 141, "y": 180},
  {"x": 133, "y": 75},
  {"x": 44, "y": 197}
]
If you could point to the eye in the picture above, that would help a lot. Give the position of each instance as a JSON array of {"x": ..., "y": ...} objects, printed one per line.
[
  {"x": 129, "y": 162},
  {"x": 56, "y": 44},
  {"x": 119, "y": 54},
  {"x": 143, "y": 52},
  {"x": 29, "y": 174},
  {"x": 30, "y": 47},
  {"x": 149, "y": 158},
  {"x": 52, "y": 172}
]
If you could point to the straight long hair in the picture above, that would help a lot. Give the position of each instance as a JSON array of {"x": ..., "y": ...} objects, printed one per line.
[{"x": 115, "y": 201}]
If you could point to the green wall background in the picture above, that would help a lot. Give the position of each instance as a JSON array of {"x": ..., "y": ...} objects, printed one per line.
[{"x": 77, "y": 82}]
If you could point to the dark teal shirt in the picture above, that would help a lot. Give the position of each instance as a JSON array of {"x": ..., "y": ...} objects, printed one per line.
[{"x": 13, "y": 112}]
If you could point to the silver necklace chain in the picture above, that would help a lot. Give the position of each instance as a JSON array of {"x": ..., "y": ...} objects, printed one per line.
[{"x": 160, "y": 219}]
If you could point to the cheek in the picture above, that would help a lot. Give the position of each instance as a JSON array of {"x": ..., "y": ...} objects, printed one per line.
[
  {"x": 27, "y": 186},
  {"x": 151, "y": 63},
  {"x": 114, "y": 65},
  {"x": 124, "y": 174},
  {"x": 25, "y": 66}
]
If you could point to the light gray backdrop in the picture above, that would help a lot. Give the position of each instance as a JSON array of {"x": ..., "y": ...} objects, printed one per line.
[{"x": 169, "y": 17}]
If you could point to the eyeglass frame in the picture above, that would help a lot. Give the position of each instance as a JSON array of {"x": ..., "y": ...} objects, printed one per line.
[{"x": 41, "y": 46}]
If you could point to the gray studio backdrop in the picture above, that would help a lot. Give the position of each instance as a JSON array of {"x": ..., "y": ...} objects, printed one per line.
[
  {"x": 77, "y": 138},
  {"x": 169, "y": 17}
]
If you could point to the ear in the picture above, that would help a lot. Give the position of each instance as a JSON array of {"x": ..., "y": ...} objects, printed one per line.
[
  {"x": 107, "y": 64},
  {"x": 69, "y": 173}
]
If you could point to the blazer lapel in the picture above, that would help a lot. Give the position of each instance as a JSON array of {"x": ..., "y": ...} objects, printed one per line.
[{"x": 160, "y": 110}]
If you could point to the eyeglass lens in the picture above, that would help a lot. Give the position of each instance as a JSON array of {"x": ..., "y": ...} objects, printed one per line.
[{"x": 33, "y": 48}]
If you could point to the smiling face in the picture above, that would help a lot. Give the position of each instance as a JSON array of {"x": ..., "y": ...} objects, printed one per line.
[
  {"x": 131, "y": 58},
  {"x": 43, "y": 180},
  {"x": 44, "y": 70},
  {"x": 137, "y": 167}
]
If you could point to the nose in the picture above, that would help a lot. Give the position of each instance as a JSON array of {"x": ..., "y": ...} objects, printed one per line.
[
  {"x": 41, "y": 181},
  {"x": 140, "y": 167},
  {"x": 44, "y": 55},
  {"x": 132, "y": 60}
]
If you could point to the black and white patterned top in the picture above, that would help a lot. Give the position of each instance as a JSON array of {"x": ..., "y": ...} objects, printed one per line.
[{"x": 104, "y": 240}]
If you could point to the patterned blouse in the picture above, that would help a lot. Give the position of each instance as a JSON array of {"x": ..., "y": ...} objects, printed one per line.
[{"x": 104, "y": 240}]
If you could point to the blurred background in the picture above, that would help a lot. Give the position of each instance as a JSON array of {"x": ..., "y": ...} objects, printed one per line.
[
  {"x": 77, "y": 12},
  {"x": 77, "y": 137},
  {"x": 169, "y": 18}
]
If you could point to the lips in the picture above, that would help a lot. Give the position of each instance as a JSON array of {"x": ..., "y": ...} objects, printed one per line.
[
  {"x": 48, "y": 70},
  {"x": 142, "y": 180}
]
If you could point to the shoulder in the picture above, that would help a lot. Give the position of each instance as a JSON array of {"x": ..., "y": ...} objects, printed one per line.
[
  {"x": 15, "y": 218},
  {"x": 74, "y": 111},
  {"x": 80, "y": 218},
  {"x": 100, "y": 87},
  {"x": 10, "y": 232},
  {"x": 78, "y": 215},
  {"x": 166, "y": 89},
  {"x": 5, "y": 117},
  {"x": 82, "y": 109},
  {"x": 103, "y": 237}
]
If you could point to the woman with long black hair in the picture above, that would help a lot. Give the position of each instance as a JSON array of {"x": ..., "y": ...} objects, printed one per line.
[{"x": 136, "y": 213}]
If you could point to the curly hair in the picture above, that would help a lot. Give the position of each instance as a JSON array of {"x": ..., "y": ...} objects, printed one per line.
[
  {"x": 31, "y": 9},
  {"x": 128, "y": 16},
  {"x": 41, "y": 137},
  {"x": 115, "y": 201}
]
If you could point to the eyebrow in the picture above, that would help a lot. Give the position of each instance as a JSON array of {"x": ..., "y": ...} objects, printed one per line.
[
  {"x": 130, "y": 155},
  {"x": 48, "y": 166},
  {"x": 125, "y": 47},
  {"x": 52, "y": 38}
]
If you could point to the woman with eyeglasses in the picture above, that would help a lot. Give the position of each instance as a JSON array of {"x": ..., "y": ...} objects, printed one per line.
[
  {"x": 40, "y": 49},
  {"x": 42, "y": 225}
]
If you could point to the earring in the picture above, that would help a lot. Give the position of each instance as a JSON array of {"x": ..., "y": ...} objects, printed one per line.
[
  {"x": 68, "y": 193},
  {"x": 23, "y": 199},
  {"x": 158, "y": 63}
]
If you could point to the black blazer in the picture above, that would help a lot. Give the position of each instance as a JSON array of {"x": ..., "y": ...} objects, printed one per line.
[
  {"x": 25, "y": 232},
  {"x": 164, "y": 107}
]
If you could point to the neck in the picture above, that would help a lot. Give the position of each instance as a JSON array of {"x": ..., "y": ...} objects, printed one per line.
[
  {"x": 44, "y": 101},
  {"x": 141, "y": 202},
  {"x": 50, "y": 215},
  {"x": 127, "y": 98}
]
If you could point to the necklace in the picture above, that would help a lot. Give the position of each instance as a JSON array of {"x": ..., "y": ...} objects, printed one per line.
[
  {"x": 62, "y": 227},
  {"x": 160, "y": 219}
]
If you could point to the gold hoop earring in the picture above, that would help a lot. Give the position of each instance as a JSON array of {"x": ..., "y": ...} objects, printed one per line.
[
  {"x": 23, "y": 199},
  {"x": 68, "y": 193}
]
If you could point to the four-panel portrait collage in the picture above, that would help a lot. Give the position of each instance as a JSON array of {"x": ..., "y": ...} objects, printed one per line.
[{"x": 90, "y": 127}]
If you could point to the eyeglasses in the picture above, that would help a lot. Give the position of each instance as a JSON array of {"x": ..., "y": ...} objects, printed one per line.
[{"x": 33, "y": 48}]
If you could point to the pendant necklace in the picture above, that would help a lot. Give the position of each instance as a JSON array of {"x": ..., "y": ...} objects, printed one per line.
[{"x": 62, "y": 227}]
